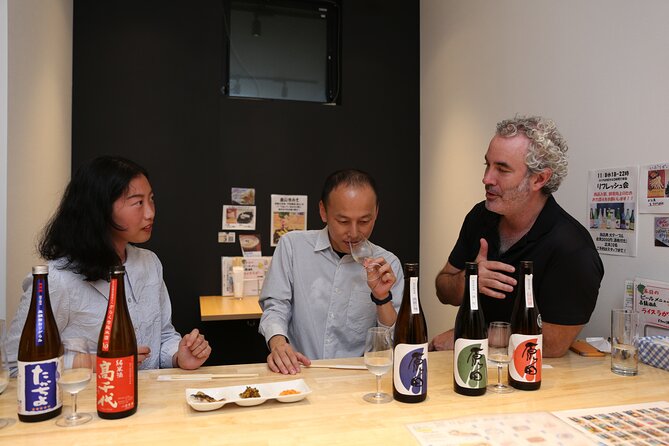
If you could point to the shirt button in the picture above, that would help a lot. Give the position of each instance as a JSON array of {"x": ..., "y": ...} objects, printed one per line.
[
  {"x": 336, "y": 290},
  {"x": 128, "y": 300}
]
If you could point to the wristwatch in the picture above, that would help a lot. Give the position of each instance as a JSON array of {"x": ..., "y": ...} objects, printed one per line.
[{"x": 381, "y": 301}]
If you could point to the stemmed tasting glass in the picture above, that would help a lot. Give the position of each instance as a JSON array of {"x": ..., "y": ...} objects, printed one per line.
[
  {"x": 78, "y": 371},
  {"x": 4, "y": 367},
  {"x": 378, "y": 359},
  {"x": 498, "y": 352},
  {"x": 362, "y": 252}
]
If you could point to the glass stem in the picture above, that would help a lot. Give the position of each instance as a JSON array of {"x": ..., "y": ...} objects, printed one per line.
[
  {"x": 378, "y": 386},
  {"x": 499, "y": 374},
  {"x": 74, "y": 405}
]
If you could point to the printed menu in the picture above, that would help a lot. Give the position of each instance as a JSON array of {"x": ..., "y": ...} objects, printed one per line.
[{"x": 645, "y": 424}]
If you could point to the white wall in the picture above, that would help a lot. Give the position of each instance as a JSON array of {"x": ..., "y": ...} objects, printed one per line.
[
  {"x": 39, "y": 109},
  {"x": 3, "y": 157},
  {"x": 599, "y": 68}
]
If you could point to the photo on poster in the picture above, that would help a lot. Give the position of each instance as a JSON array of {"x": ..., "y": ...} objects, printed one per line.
[
  {"x": 654, "y": 189},
  {"x": 239, "y": 217},
  {"x": 244, "y": 196},
  {"x": 662, "y": 232},
  {"x": 250, "y": 244},
  {"x": 289, "y": 213},
  {"x": 226, "y": 237}
]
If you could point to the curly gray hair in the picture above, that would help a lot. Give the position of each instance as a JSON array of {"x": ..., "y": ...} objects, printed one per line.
[{"x": 547, "y": 148}]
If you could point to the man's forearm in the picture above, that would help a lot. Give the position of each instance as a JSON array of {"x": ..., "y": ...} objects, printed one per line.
[{"x": 450, "y": 287}]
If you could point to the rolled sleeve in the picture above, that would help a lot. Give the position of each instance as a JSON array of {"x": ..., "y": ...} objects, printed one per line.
[
  {"x": 276, "y": 297},
  {"x": 397, "y": 290},
  {"x": 169, "y": 338}
]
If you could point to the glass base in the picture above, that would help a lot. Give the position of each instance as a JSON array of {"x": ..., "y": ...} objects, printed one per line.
[
  {"x": 377, "y": 398},
  {"x": 500, "y": 388},
  {"x": 74, "y": 419},
  {"x": 624, "y": 372},
  {"x": 4, "y": 422}
]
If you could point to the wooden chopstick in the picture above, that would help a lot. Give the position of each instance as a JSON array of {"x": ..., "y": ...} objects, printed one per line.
[{"x": 204, "y": 376}]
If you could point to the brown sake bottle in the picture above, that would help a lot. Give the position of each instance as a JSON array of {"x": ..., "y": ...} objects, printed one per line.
[
  {"x": 410, "y": 343},
  {"x": 526, "y": 342},
  {"x": 116, "y": 364},
  {"x": 40, "y": 356},
  {"x": 470, "y": 350}
]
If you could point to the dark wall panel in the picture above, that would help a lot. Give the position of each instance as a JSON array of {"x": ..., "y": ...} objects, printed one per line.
[{"x": 146, "y": 85}]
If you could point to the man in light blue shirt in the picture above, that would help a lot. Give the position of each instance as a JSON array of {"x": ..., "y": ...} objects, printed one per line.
[{"x": 317, "y": 302}]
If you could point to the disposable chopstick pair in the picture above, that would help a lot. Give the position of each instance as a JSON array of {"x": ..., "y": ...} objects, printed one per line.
[
  {"x": 338, "y": 366},
  {"x": 204, "y": 376}
]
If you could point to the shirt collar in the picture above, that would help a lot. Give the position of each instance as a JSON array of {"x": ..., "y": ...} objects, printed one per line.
[
  {"x": 545, "y": 221},
  {"x": 323, "y": 240},
  {"x": 131, "y": 257},
  {"x": 543, "y": 224}
]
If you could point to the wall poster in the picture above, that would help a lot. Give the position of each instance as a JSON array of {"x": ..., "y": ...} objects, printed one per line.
[
  {"x": 654, "y": 189},
  {"x": 289, "y": 213},
  {"x": 612, "y": 210}
]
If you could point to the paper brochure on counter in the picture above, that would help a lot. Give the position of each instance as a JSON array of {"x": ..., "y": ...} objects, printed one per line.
[{"x": 255, "y": 269}]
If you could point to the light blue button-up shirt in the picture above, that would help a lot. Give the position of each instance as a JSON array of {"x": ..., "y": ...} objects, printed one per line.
[
  {"x": 79, "y": 307},
  {"x": 319, "y": 301}
]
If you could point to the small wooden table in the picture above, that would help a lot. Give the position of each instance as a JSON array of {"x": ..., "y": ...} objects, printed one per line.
[{"x": 226, "y": 308}]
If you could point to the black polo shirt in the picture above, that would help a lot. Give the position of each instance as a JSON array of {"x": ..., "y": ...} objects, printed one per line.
[{"x": 567, "y": 267}]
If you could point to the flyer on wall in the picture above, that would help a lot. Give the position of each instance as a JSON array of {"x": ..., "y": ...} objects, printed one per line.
[
  {"x": 289, "y": 213},
  {"x": 662, "y": 232},
  {"x": 612, "y": 210},
  {"x": 651, "y": 301},
  {"x": 239, "y": 217},
  {"x": 654, "y": 187}
]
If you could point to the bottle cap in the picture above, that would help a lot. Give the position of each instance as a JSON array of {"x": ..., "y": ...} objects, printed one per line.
[
  {"x": 118, "y": 269},
  {"x": 472, "y": 266},
  {"x": 410, "y": 268},
  {"x": 41, "y": 269}
]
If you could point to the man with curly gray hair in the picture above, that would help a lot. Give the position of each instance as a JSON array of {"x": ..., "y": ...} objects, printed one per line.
[{"x": 520, "y": 220}]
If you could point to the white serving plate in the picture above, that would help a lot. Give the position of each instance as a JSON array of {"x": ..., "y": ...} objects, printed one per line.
[{"x": 267, "y": 391}]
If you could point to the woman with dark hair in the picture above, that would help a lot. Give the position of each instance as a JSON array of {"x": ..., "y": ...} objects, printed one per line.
[{"x": 107, "y": 208}]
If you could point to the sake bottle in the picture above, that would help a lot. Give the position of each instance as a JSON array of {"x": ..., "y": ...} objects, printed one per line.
[
  {"x": 410, "y": 343},
  {"x": 470, "y": 372},
  {"x": 526, "y": 342},
  {"x": 116, "y": 363},
  {"x": 631, "y": 222},
  {"x": 40, "y": 356}
]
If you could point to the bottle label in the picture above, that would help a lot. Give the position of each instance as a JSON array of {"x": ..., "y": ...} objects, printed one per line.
[
  {"x": 109, "y": 319},
  {"x": 525, "y": 353},
  {"x": 115, "y": 384},
  {"x": 413, "y": 293},
  {"x": 529, "y": 291},
  {"x": 37, "y": 384},
  {"x": 474, "y": 292},
  {"x": 39, "y": 314},
  {"x": 469, "y": 356},
  {"x": 410, "y": 369}
]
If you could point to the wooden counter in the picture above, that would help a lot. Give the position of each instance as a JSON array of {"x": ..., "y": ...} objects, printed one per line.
[
  {"x": 334, "y": 413},
  {"x": 224, "y": 308}
]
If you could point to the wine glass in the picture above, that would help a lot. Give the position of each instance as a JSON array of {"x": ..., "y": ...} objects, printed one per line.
[
  {"x": 498, "y": 352},
  {"x": 378, "y": 359},
  {"x": 4, "y": 367},
  {"x": 362, "y": 252},
  {"x": 79, "y": 364}
]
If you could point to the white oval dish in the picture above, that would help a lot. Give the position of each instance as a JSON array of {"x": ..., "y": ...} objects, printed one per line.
[
  {"x": 231, "y": 394},
  {"x": 203, "y": 406}
]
